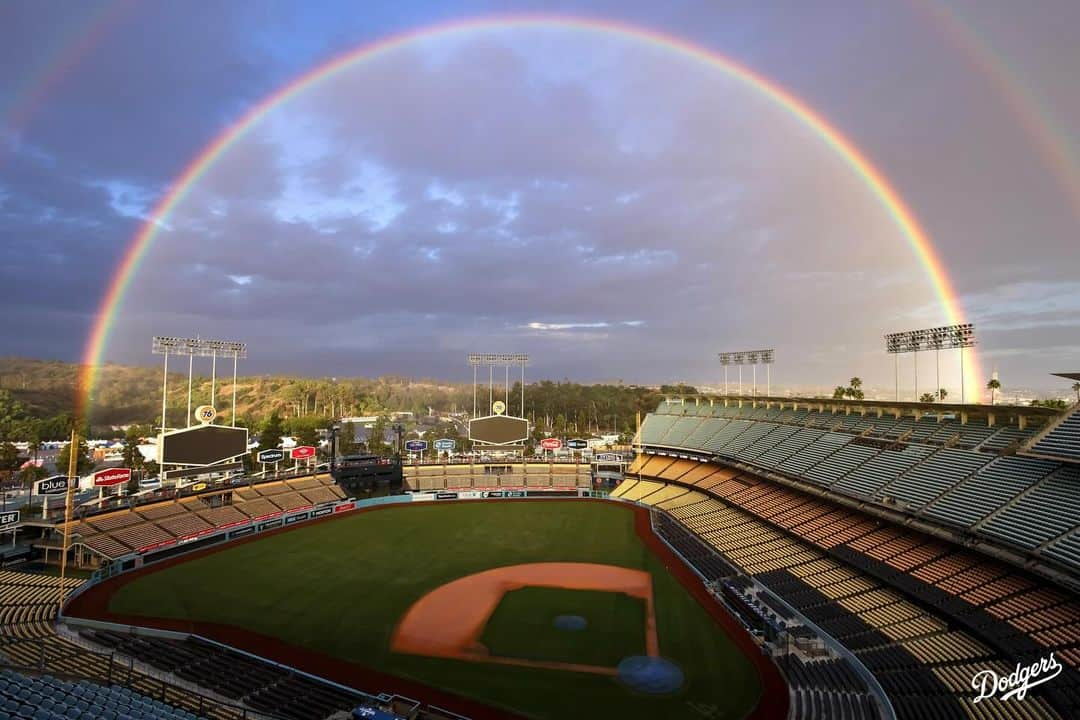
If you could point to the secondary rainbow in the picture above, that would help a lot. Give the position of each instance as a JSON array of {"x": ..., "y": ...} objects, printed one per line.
[{"x": 873, "y": 178}]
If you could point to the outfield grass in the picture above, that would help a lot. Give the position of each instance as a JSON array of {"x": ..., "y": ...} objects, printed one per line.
[
  {"x": 522, "y": 626},
  {"x": 340, "y": 587}
]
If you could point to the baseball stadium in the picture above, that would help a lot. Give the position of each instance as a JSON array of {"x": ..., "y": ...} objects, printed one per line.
[
  {"x": 757, "y": 558},
  {"x": 710, "y": 554}
]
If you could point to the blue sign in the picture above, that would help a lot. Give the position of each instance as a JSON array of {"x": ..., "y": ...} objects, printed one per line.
[
  {"x": 444, "y": 444},
  {"x": 416, "y": 445},
  {"x": 53, "y": 486},
  {"x": 271, "y": 456},
  {"x": 577, "y": 444}
]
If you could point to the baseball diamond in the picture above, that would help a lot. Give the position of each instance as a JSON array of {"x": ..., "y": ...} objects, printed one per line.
[{"x": 456, "y": 600}]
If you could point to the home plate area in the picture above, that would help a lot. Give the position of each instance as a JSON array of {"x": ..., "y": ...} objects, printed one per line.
[{"x": 578, "y": 617}]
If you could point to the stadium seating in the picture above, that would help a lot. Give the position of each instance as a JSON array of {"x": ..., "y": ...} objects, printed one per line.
[
  {"x": 1063, "y": 440},
  {"x": 29, "y": 641},
  {"x": 234, "y": 675},
  {"x": 991, "y": 488},
  {"x": 47, "y": 698},
  {"x": 939, "y": 472},
  {"x": 920, "y": 613},
  {"x": 1045, "y": 511},
  {"x": 121, "y": 532},
  {"x": 935, "y": 468}
]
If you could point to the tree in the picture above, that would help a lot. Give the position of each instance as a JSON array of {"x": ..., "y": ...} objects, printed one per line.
[
  {"x": 375, "y": 442},
  {"x": 942, "y": 393},
  {"x": 927, "y": 398},
  {"x": 307, "y": 435},
  {"x": 270, "y": 437},
  {"x": 346, "y": 441},
  {"x": 856, "y": 383},
  {"x": 132, "y": 458},
  {"x": 993, "y": 386},
  {"x": 31, "y": 474},
  {"x": 83, "y": 462},
  {"x": 839, "y": 393},
  {"x": 1054, "y": 403},
  {"x": 1076, "y": 389},
  {"x": 9, "y": 460}
]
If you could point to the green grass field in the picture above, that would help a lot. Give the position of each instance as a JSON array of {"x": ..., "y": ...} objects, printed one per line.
[
  {"x": 340, "y": 587},
  {"x": 522, "y": 626}
]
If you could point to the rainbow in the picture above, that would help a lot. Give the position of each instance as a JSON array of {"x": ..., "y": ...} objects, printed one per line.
[
  {"x": 871, "y": 176},
  {"x": 1050, "y": 140},
  {"x": 82, "y": 37}
]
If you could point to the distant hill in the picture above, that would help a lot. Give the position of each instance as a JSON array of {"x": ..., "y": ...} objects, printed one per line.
[{"x": 125, "y": 395}]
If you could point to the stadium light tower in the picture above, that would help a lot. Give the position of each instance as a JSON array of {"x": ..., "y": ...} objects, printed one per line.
[
  {"x": 948, "y": 337},
  {"x": 725, "y": 360},
  {"x": 192, "y": 347},
  {"x": 504, "y": 360},
  {"x": 752, "y": 358}
]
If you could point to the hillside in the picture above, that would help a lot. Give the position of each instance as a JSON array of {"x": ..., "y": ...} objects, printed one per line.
[
  {"x": 43, "y": 392},
  {"x": 127, "y": 394}
]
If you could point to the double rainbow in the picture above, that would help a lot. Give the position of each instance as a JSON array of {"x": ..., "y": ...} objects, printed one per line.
[{"x": 871, "y": 176}]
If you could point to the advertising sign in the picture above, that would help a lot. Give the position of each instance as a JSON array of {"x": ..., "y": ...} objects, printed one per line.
[
  {"x": 302, "y": 452},
  {"x": 55, "y": 485},
  {"x": 444, "y": 444},
  {"x": 577, "y": 444},
  {"x": 446, "y": 496},
  {"x": 8, "y": 517},
  {"x": 271, "y": 456},
  {"x": 290, "y": 519},
  {"x": 205, "y": 414},
  {"x": 416, "y": 445},
  {"x": 319, "y": 512},
  {"x": 608, "y": 457},
  {"x": 551, "y": 443},
  {"x": 112, "y": 476}
]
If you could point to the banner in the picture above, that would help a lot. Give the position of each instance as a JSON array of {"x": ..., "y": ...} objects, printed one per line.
[{"x": 112, "y": 476}]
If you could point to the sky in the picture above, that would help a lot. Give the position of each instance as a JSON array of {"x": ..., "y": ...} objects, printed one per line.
[{"x": 615, "y": 209}]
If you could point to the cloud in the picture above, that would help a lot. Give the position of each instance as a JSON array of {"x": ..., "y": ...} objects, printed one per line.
[{"x": 513, "y": 189}]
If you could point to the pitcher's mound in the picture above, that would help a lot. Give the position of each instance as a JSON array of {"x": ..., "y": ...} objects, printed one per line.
[
  {"x": 572, "y": 623},
  {"x": 650, "y": 675}
]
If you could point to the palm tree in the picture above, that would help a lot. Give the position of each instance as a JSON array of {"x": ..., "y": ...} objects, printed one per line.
[
  {"x": 993, "y": 386},
  {"x": 1076, "y": 389},
  {"x": 856, "y": 383},
  {"x": 839, "y": 392},
  {"x": 942, "y": 392},
  {"x": 927, "y": 398}
]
